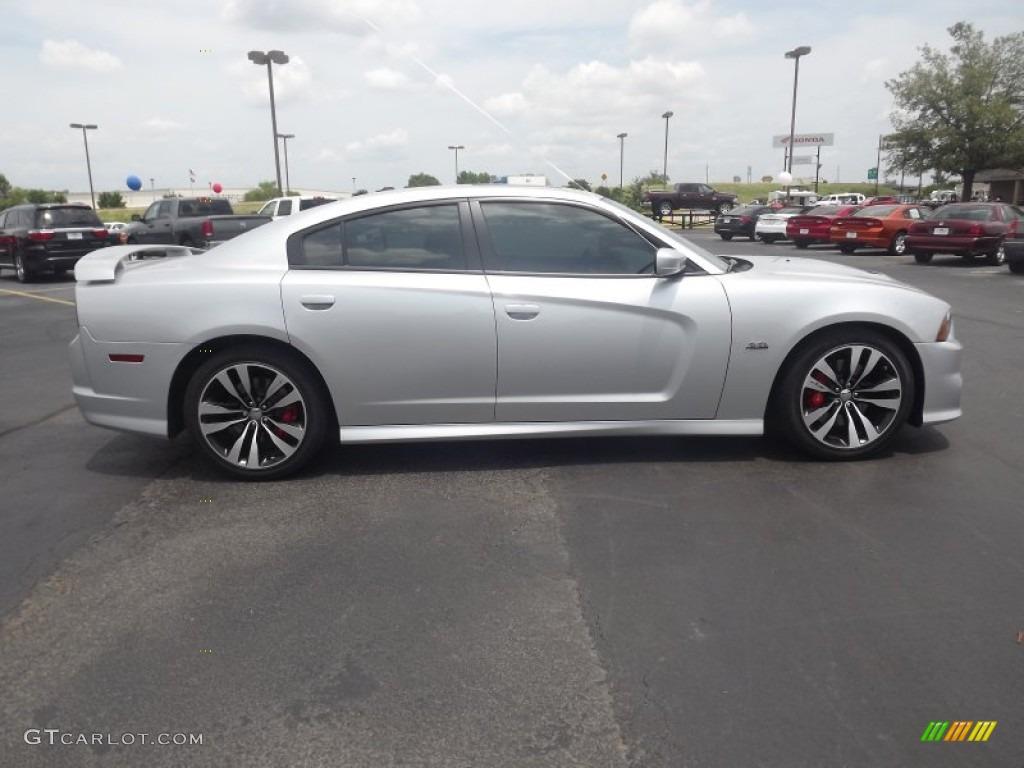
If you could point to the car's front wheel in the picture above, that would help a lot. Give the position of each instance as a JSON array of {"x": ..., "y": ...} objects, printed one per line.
[
  {"x": 845, "y": 395},
  {"x": 256, "y": 412}
]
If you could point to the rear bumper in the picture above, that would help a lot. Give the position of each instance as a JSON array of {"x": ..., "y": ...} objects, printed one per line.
[
  {"x": 943, "y": 381},
  {"x": 862, "y": 239},
  {"x": 951, "y": 244}
]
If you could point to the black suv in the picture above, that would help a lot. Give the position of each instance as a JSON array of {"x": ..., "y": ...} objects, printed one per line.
[{"x": 48, "y": 237}]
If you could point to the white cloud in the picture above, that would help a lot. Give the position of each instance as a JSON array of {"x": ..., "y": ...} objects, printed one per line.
[
  {"x": 670, "y": 25},
  {"x": 380, "y": 144},
  {"x": 386, "y": 79},
  {"x": 292, "y": 81},
  {"x": 350, "y": 17},
  {"x": 71, "y": 54},
  {"x": 160, "y": 125}
]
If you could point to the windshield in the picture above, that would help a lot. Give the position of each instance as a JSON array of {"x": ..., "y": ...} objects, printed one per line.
[{"x": 72, "y": 216}]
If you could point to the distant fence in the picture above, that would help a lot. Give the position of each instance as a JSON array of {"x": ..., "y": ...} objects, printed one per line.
[{"x": 687, "y": 219}]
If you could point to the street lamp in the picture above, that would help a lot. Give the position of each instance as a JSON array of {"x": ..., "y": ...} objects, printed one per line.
[
  {"x": 260, "y": 59},
  {"x": 88, "y": 164},
  {"x": 795, "y": 54},
  {"x": 622, "y": 150},
  {"x": 456, "y": 148},
  {"x": 664, "y": 168},
  {"x": 287, "y": 177}
]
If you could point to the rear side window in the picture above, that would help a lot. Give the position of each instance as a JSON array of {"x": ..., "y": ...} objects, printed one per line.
[
  {"x": 424, "y": 238},
  {"x": 55, "y": 218},
  {"x": 284, "y": 208},
  {"x": 313, "y": 202}
]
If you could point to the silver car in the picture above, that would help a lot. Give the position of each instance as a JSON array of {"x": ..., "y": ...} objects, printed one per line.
[{"x": 490, "y": 312}]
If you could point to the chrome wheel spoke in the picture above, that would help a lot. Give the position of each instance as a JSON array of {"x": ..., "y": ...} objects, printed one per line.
[
  {"x": 869, "y": 367},
  {"x": 822, "y": 431},
  {"x": 229, "y": 387},
  {"x": 253, "y": 460},
  {"x": 290, "y": 429},
  {"x": 857, "y": 416},
  {"x": 214, "y": 427},
  {"x": 286, "y": 449},
  {"x": 235, "y": 454}
]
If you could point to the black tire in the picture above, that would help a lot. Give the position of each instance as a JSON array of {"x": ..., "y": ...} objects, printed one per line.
[
  {"x": 997, "y": 257},
  {"x": 753, "y": 238},
  {"x": 257, "y": 425},
  {"x": 186, "y": 241},
  {"x": 663, "y": 207},
  {"x": 1016, "y": 266},
  {"x": 769, "y": 239},
  {"x": 898, "y": 246},
  {"x": 725, "y": 236},
  {"x": 829, "y": 419},
  {"x": 801, "y": 244},
  {"x": 21, "y": 270},
  {"x": 922, "y": 257},
  {"x": 844, "y": 248}
]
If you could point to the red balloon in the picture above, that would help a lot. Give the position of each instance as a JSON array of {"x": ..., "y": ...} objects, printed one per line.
[{"x": 217, "y": 188}]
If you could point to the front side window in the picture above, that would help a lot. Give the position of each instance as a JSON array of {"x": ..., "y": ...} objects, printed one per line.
[
  {"x": 284, "y": 208},
  {"x": 268, "y": 209},
  {"x": 562, "y": 239},
  {"x": 425, "y": 238}
]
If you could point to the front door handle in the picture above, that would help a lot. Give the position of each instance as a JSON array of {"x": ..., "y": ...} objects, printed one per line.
[
  {"x": 317, "y": 301},
  {"x": 522, "y": 311}
]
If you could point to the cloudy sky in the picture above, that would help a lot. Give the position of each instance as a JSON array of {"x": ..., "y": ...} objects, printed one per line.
[{"x": 378, "y": 89}]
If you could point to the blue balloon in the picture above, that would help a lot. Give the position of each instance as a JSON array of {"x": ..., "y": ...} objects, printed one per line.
[{"x": 134, "y": 183}]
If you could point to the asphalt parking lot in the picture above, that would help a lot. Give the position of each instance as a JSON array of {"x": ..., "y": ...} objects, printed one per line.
[{"x": 599, "y": 602}]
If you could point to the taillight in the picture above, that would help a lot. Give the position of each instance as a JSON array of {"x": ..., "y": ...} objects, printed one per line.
[
  {"x": 744, "y": 219},
  {"x": 207, "y": 228},
  {"x": 37, "y": 234},
  {"x": 974, "y": 229},
  {"x": 100, "y": 234}
]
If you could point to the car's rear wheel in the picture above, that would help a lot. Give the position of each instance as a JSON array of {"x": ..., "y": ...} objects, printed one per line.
[
  {"x": 801, "y": 243},
  {"x": 845, "y": 395},
  {"x": 725, "y": 236},
  {"x": 922, "y": 257},
  {"x": 898, "y": 246},
  {"x": 21, "y": 270},
  {"x": 256, "y": 412},
  {"x": 997, "y": 257},
  {"x": 844, "y": 248}
]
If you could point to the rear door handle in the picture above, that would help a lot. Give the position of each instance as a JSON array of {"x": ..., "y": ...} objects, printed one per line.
[
  {"x": 317, "y": 301},
  {"x": 522, "y": 311}
]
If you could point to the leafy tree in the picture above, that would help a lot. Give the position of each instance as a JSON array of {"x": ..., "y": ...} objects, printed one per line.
[
  {"x": 654, "y": 179},
  {"x": 5, "y": 186},
  {"x": 111, "y": 200},
  {"x": 264, "y": 191},
  {"x": 469, "y": 177},
  {"x": 580, "y": 184},
  {"x": 423, "y": 180},
  {"x": 961, "y": 112},
  {"x": 44, "y": 196}
]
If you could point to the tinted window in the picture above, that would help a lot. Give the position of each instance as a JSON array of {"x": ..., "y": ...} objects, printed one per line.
[
  {"x": 204, "y": 206},
  {"x": 313, "y": 203},
  {"x": 414, "y": 238},
  {"x": 284, "y": 208},
  {"x": 968, "y": 212},
  {"x": 565, "y": 239},
  {"x": 53, "y": 218}
]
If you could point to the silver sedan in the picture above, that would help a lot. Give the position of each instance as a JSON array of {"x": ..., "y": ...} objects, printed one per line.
[{"x": 495, "y": 311}]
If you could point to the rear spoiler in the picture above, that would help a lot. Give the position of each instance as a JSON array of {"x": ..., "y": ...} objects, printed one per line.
[{"x": 105, "y": 264}]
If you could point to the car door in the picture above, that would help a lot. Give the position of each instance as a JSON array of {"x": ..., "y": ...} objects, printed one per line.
[
  {"x": 6, "y": 241},
  {"x": 393, "y": 308},
  {"x": 155, "y": 225},
  {"x": 585, "y": 330}
]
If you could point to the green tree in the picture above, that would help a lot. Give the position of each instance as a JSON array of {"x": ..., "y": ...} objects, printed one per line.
[
  {"x": 580, "y": 184},
  {"x": 5, "y": 186},
  {"x": 654, "y": 179},
  {"x": 264, "y": 191},
  {"x": 111, "y": 200},
  {"x": 469, "y": 177},
  {"x": 423, "y": 180},
  {"x": 961, "y": 112}
]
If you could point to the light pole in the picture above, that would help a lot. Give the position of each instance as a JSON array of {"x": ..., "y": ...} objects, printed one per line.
[
  {"x": 795, "y": 54},
  {"x": 664, "y": 167},
  {"x": 88, "y": 164},
  {"x": 152, "y": 187},
  {"x": 287, "y": 177},
  {"x": 260, "y": 59},
  {"x": 353, "y": 183},
  {"x": 456, "y": 148},
  {"x": 622, "y": 151}
]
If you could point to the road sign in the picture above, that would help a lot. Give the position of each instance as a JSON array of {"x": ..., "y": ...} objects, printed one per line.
[
  {"x": 872, "y": 174},
  {"x": 805, "y": 140}
]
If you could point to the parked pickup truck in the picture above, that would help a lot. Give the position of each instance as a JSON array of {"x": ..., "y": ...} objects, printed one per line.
[
  {"x": 201, "y": 222},
  {"x": 699, "y": 196}
]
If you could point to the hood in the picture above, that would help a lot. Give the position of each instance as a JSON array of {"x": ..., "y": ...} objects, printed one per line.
[{"x": 794, "y": 267}]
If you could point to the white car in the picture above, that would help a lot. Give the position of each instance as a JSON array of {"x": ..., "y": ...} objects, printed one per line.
[
  {"x": 464, "y": 312},
  {"x": 771, "y": 227},
  {"x": 843, "y": 198},
  {"x": 115, "y": 226},
  {"x": 286, "y": 206}
]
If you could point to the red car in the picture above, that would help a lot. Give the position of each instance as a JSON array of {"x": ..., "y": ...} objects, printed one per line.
[
  {"x": 815, "y": 225},
  {"x": 876, "y": 226},
  {"x": 967, "y": 230}
]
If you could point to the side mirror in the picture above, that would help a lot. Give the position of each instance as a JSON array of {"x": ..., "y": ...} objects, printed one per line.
[
  {"x": 668, "y": 262},
  {"x": 136, "y": 217}
]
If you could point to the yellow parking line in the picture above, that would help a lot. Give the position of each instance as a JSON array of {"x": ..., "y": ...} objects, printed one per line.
[{"x": 36, "y": 296}]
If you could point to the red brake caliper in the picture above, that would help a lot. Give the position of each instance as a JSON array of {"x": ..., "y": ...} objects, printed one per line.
[{"x": 814, "y": 398}]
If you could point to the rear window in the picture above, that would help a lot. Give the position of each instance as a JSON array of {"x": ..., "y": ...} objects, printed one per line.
[
  {"x": 204, "y": 206},
  {"x": 824, "y": 210},
  {"x": 72, "y": 216},
  {"x": 874, "y": 211},
  {"x": 967, "y": 212},
  {"x": 313, "y": 203}
]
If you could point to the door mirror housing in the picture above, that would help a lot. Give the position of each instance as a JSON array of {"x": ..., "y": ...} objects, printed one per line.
[{"x": 669, "y": 262}]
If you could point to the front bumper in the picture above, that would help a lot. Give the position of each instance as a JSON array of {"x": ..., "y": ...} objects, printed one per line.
[{"x": 943, "y": 381}]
